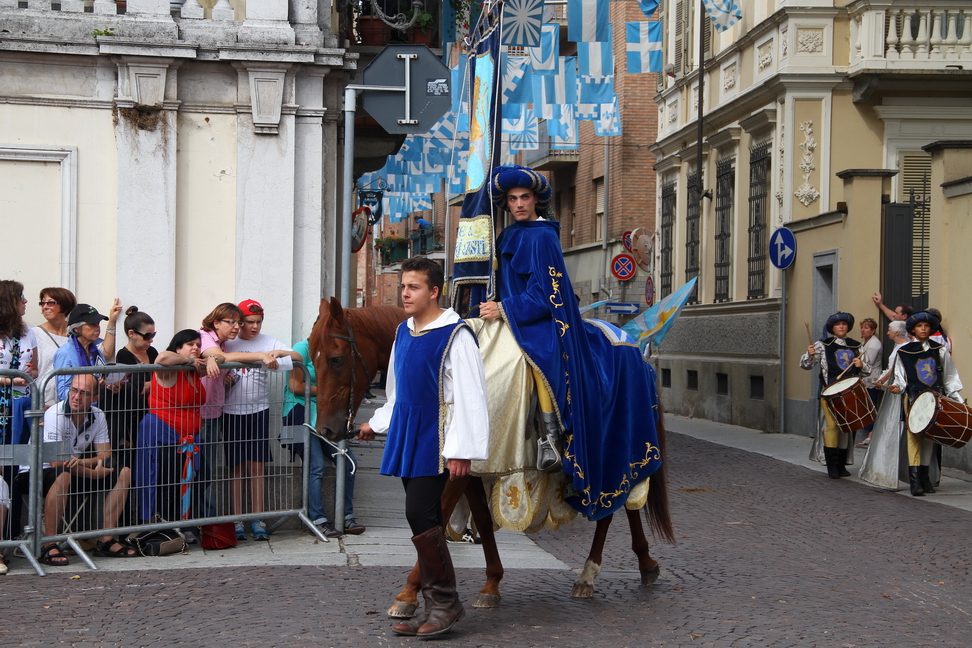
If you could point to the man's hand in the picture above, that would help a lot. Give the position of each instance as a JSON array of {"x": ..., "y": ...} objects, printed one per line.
[
  {"x": 876, "y": 298},
  {"x": 458, "y": 468},
  {"x": 895, "y": 389},
  {"x": 811, "y": 350},
  {"x": 365, "y": 433},
  {"x": 489, "y": 310},
  {"x": 858, "y": 363}
]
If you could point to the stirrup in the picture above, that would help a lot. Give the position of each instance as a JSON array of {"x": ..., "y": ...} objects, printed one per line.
[{"x": 548, "y": 458}]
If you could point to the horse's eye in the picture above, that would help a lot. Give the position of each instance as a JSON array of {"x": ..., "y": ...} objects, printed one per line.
[{"x": 335, "y": 361}]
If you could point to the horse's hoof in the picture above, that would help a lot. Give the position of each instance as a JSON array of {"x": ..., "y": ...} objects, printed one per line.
[
  {"x": 402, "y": 610},
  {"x": 582, "y": 590},
  {"x": 649, "y": 576},
  {"x": 487, "y": 601}
]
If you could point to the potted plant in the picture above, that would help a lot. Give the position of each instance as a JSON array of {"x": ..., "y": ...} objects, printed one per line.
[
  {"x": 421, "y": 31},
  {"x": 369, "y": 29}
]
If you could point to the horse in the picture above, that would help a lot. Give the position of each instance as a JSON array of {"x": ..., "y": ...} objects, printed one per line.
[{"x": 348, "y": 347}]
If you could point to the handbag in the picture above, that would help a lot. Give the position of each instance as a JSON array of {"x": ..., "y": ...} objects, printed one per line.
[
  {"x": 218, "y": 536},
  {"x": 159, "y": 543}
]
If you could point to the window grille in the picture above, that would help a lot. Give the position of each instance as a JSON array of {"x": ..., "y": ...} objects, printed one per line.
[
  {"x": 693, "y": 244},
  {"x": 759, "y": 163},
  {"x": 725, "y": 184},
  {"x": 667, "y": 231}
]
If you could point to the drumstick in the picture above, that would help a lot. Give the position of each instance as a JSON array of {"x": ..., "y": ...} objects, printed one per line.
[{"x": 810, "y": 337}]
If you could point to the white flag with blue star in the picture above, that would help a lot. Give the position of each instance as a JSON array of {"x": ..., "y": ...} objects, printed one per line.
[
  {"x": 521, "y": 23},
  {"x": 643, "y": 46},
  {"x": 544, "y": 59},
  {"x": 596, "y": 59},
  {"x": 723, "y": 13},
  {"x": 588, "y": 20}
]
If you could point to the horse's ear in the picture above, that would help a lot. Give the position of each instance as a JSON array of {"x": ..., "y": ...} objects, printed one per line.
[{"x": 337, "y": 313}]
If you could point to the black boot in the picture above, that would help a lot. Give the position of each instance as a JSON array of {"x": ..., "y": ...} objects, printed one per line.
[
  {"x": 842, "y": 462},
  {"x": 915, "y": 482},
  {"x": 831, "y": 457},
  {"x": 438, "y": 584},
  {"x": 924, "y": 481}
]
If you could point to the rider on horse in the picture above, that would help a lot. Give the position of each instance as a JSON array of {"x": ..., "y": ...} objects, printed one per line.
[{"x": 592, "y": 388}]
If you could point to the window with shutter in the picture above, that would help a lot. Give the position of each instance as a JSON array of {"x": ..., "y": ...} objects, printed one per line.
[
  {"x": 598, "y": 209},
  {"x": 914, "y": 189},
  {"x": 679, "y": 26}
]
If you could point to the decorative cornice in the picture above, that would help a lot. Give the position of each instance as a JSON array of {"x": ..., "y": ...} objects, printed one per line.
[
  {"x": 820, "y": 220},
  {"x": 941, "y": 145},
  {"x": 759, "y": 122},
  {"x": 726, "y": 138}
]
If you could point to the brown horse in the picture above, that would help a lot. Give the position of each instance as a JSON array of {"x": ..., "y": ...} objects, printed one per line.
[{"x": 348, "y": 347}]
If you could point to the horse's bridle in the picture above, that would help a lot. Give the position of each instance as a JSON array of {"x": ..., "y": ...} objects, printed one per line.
[{"x": 355, "y": 355}]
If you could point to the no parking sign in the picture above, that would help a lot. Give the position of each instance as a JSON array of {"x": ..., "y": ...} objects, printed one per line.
[{"x": 623, "y": 266}]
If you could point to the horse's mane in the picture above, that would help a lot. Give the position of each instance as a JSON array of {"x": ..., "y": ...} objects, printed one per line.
[{"x": 375, "y": 320}]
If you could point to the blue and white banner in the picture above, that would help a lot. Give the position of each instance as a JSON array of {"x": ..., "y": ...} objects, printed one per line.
[
  {"x": 517, "y": 80},
  {"x": 653, "y": 325},
  {"x": 608, "y": 122},
  {"x": 588, "y": 20},
  {"x": 596, "y": 59},
  {"x": 565, "y": 125},
  {"x": 545, "y": 59},
  {"x": 556, "y": 90},
  {"x": 594, "y": 91},
  {"x": 643, "y": 45},
  {"x": 521, "y": 128},
  {"x": 723, "y": 13},
  {"x": 521, "y": 22},
  {"x": 483, "y": 110}
]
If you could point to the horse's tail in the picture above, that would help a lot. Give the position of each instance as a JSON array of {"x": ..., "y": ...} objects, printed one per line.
[{"x": 657, "y": 512}]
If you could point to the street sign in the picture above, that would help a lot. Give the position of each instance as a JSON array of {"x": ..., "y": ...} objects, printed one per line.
[
  {"x": 782, "y": 248},
  {"x": 626, "y": 240},
  {"x": 428, "y": 95},
  {"x": 623, "y": 266},
  {"x": 650, "y": 292},
  {"x": 622, "y": 308}
]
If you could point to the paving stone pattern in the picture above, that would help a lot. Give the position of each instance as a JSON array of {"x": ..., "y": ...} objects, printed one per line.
[{"x": 769, "y": 554}]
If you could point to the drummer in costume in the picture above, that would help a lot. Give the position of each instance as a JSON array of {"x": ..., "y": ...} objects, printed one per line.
[
  {"x": 923, "y": 365},
  {"x": 838, "y": 356},
  {"x": 437, "y": 422},
  {"x": 591, "y": 392}
]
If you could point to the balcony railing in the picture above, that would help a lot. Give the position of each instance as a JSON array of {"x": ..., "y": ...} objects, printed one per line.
[
  {"x": 208, "y": 9},
  {"x": 912, "y": 35},
  {"x": 546, "y": 157},
  {"x": 427, "y": 240}
]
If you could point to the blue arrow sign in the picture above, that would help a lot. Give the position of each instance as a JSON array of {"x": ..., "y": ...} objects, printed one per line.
[
  {"x": 782, "y": 248},
  {"x": 626, "y": 308}
]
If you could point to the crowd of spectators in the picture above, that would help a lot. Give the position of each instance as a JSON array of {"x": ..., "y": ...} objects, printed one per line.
[{"x": 164, "y": 433}]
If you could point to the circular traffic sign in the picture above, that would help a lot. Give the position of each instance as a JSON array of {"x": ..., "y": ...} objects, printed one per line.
[
  {"x": 782, "y": 248},
  {"x": 623, "y": 266},
  {"x": 650, "y": 292},
  {"x": 626, "y": 240}
]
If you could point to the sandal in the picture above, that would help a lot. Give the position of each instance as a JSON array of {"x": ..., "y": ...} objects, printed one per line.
[
  {"x": 55, "y": 560},
  {"x": 104, "y": 550}
]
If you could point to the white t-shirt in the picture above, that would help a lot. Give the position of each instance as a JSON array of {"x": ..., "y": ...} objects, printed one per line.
[
  {"x": 27, "y": 345},
  {"x": 47, "y": 346},
  {"x": 250, "y": 394},
  {"x": 59, "y": 426}
]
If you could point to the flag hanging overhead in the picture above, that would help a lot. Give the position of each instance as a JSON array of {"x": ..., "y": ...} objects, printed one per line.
[
  {"x": 588, "y": 20},
  {"x": 520, "y": 125},
  {"x": 517, "y": 80},
  {"x": 544, "y": 59},
  {"x": 608, "y": 122},
  {"x": 521, "y": 22},
  {"x": 723, "y": 13},
  {"x": 596, "y": 59},
  {"x": 643, "y": 44},
  {"x": 648, "y": 7}
]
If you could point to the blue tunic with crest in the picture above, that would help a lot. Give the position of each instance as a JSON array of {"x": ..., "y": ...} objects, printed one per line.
[
  {"x": 417, "y": 431},
  {"x": 604, "y": 391},
  {"x": 922, "y": 367}
]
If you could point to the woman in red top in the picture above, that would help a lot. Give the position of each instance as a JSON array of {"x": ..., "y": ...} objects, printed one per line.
[{"x": 172, "y": 423}]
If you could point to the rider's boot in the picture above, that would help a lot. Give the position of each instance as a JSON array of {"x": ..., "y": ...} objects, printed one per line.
[{"x": 548, "y": 456}]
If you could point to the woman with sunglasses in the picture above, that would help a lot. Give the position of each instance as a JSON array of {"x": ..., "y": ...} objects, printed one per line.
[{"x": 55, "y": 304}]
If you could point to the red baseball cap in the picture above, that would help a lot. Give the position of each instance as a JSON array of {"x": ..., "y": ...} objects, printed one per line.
[{"x": 251, "y": 307}]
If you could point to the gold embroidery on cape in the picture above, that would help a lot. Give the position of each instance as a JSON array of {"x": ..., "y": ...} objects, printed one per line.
[
  {"x": 513, "y": 494},
  {"x": 555, "y": 286}
]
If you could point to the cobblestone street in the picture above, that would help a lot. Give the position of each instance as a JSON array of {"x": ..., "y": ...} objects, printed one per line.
[{"x": 769, "y": 554}]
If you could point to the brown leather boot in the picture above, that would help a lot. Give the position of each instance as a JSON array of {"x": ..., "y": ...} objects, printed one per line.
[{"x": 438, "y": 584}]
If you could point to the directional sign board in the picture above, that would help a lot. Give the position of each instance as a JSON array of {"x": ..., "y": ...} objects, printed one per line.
[
  {"x": 429, "y": 84},
  {"x": 782, "y": 248},
  {"x": 623, "y": 308},
  {"x": 623, "y": 266}
]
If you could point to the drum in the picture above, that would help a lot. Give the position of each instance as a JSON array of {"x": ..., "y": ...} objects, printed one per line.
[
  {"x": 850, "y": 403},
  {"x": 941, "y": 419}
]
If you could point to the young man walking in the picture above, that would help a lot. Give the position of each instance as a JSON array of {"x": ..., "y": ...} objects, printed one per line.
[{"x": 437, "y": 423}]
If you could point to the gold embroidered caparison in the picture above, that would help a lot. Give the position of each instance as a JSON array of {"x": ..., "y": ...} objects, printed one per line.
[{"x": 606, "y": 499}]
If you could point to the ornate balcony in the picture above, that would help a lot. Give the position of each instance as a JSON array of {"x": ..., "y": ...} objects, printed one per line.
[{"x": 911, "y": 35}]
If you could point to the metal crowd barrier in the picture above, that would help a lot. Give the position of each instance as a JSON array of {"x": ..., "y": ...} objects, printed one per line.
[{"x": 153, "y": 482}]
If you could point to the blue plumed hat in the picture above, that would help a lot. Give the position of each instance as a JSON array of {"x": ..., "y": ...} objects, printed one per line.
[
  {"x": 508, "y": 177},
  {"x": 839, "y": 316},
  {"x": 923, "y": 316}
]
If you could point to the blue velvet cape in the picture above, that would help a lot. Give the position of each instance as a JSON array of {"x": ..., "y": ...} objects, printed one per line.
[{"x": 604, "y": 391}]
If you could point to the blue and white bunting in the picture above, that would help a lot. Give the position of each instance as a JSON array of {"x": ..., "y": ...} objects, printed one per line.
[
  {"x": 723, "y": 13},
  {"x": 643, "y": 46},
  {"x": 596, "y": 59},
  {"x": 588, "y": 20},
  {"x": 545, "y": 59},
  {"x": 608, "y": 122},
  {"x": 563, "y": 129},
  {"x": 596, "y": 91},
  {"x": 517, "y": 80},
  {"x": 648, "y": 6},
  {"x": 521, "y": 128},
  {"x": 521, "y": 23}
]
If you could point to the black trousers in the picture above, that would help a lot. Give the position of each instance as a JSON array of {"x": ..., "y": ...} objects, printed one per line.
[{"x": 423, "y": 501}]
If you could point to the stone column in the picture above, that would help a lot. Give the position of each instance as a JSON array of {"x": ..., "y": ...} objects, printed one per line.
[
  {"x": 265, "y": 192},
  {"x": 146, "y": 226}
]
